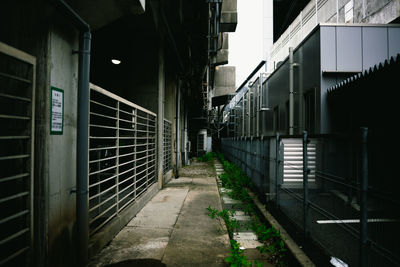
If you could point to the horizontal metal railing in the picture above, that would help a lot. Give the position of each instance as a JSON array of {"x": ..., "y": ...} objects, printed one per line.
[
  {"x": 122, "y": 155},
  {"x": 167, "y": 165},
  {"x": 17, "y": 98}
]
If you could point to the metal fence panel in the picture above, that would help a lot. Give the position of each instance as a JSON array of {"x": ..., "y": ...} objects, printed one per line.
[
  {"x": 17, "y": 112},
  {"x": 122, "y": 155},
  {"x": 167, "y": 165},
  {"x": 331, "y": 192}
]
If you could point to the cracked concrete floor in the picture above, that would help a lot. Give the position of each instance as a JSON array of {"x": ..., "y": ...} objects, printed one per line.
[{"x": 173, "y": 229}]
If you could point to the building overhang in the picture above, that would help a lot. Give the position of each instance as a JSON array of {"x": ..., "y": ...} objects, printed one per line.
[{"x": 98, "y": 13}]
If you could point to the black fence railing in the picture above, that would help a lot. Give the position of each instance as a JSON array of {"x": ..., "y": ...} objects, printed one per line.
[{"x": 329, "y": 189}]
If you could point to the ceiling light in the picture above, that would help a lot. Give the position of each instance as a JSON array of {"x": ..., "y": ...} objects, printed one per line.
[{"x": 116, "y": 61}]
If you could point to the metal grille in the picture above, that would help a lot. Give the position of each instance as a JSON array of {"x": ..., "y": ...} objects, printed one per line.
[
  {"x": 122, "y": 155},
  {"x": 17, "y": 98},
  {"x": 167, "y": 146},
  {"x": 200, "y": 144},
  {"x": 293, "y": 162}
]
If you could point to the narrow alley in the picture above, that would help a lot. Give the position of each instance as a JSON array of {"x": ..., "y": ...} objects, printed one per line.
[
  {"x": 174, "y": 228},
  {"x": 109, "y": 107}
]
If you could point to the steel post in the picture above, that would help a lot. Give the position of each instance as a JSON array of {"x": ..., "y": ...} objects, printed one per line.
[
  {"x": 363, "y": 193},
  {"x": 306, "y": 171},
  {"x": 291, "y": 92},
  {"x": 277, "y": 162}
]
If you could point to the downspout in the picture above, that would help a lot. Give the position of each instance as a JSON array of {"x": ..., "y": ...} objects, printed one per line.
[
  {"x": 160, "y": 117},
  {"x": 292, "y": 65},
  {"x": 186, "y": 138},
  {"x": 178, "y": 107},
  {"x": 82, "y": 212},
  {"x": 82, "y": 202}
]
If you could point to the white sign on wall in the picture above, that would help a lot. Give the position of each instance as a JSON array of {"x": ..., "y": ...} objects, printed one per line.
[{"x": 57, "y": 111}]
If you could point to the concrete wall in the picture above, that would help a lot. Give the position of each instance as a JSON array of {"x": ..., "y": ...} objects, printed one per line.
[
  {"x": 62, "y": 148},
  {"x": 382, "y": 11},
  {"x": 170, "y": 109},
  {"x": 223, "y": 53},
  {"x": 36, "y": 28}
]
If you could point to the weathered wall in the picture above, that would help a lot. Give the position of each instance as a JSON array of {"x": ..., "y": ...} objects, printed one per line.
[
  {"x": 170, "y": 109},
  {"x": 62, "y": 148},
  {"x": 377, "y": 12},
  {"x": 30, "y": 29}
]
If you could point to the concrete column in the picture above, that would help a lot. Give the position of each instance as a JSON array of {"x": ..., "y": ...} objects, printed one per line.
[{"x": 160, "y": 115}]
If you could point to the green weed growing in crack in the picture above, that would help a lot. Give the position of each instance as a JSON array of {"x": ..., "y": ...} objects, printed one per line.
[
  {"x": 231, "y": 223},
  {"x": 236, "y": 257},
  {"x": 272, "y": 243},
  {"x": 237, "y": 181}
]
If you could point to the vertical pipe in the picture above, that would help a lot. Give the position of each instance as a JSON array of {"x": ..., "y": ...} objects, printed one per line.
[
  {"x": 243, "y": 114},
  {"x": 249, "y": 113},
  {"x": 337, "y": 11},
  {"x": 160, "y": 116},
  {"x": 186, "y": 138},
  {"x": 363, "y": 191},
  {"x": 277, "y": 161},
  {"x": 209, "y": 36},
  {"x": 305, "y": 186},
  {"x": 82, "y": 202},
  {"x": 178, "y": 107},
  {"x": 257, "y": 101},
  {"x": 216, "y": 33},
  {"x": 291, "y": 89},
  {"x": 363, "y": 9}
]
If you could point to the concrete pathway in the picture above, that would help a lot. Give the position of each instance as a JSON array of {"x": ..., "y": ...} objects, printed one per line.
[{"x": 173, "y": 229}]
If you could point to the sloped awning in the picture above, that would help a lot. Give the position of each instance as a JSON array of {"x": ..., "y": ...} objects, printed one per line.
[{"x": 386, "y": 71}]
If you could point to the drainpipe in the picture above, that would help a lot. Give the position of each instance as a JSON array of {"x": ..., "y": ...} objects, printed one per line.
[
  {"x": 82, "y": 201},
  {"x": 186, "y": 138},
  {"x": 178, "y": 110},
  {"x": 82, "y": 212},
  {"x": 292, "y": 65},
  {"x": 160, "y": 119}
]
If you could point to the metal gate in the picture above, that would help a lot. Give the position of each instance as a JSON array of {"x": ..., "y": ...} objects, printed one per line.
[
  {"x": 167, "y": 146},
  {"x": 17, "y": 112},
  {"x": 122, "y": 155}
]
